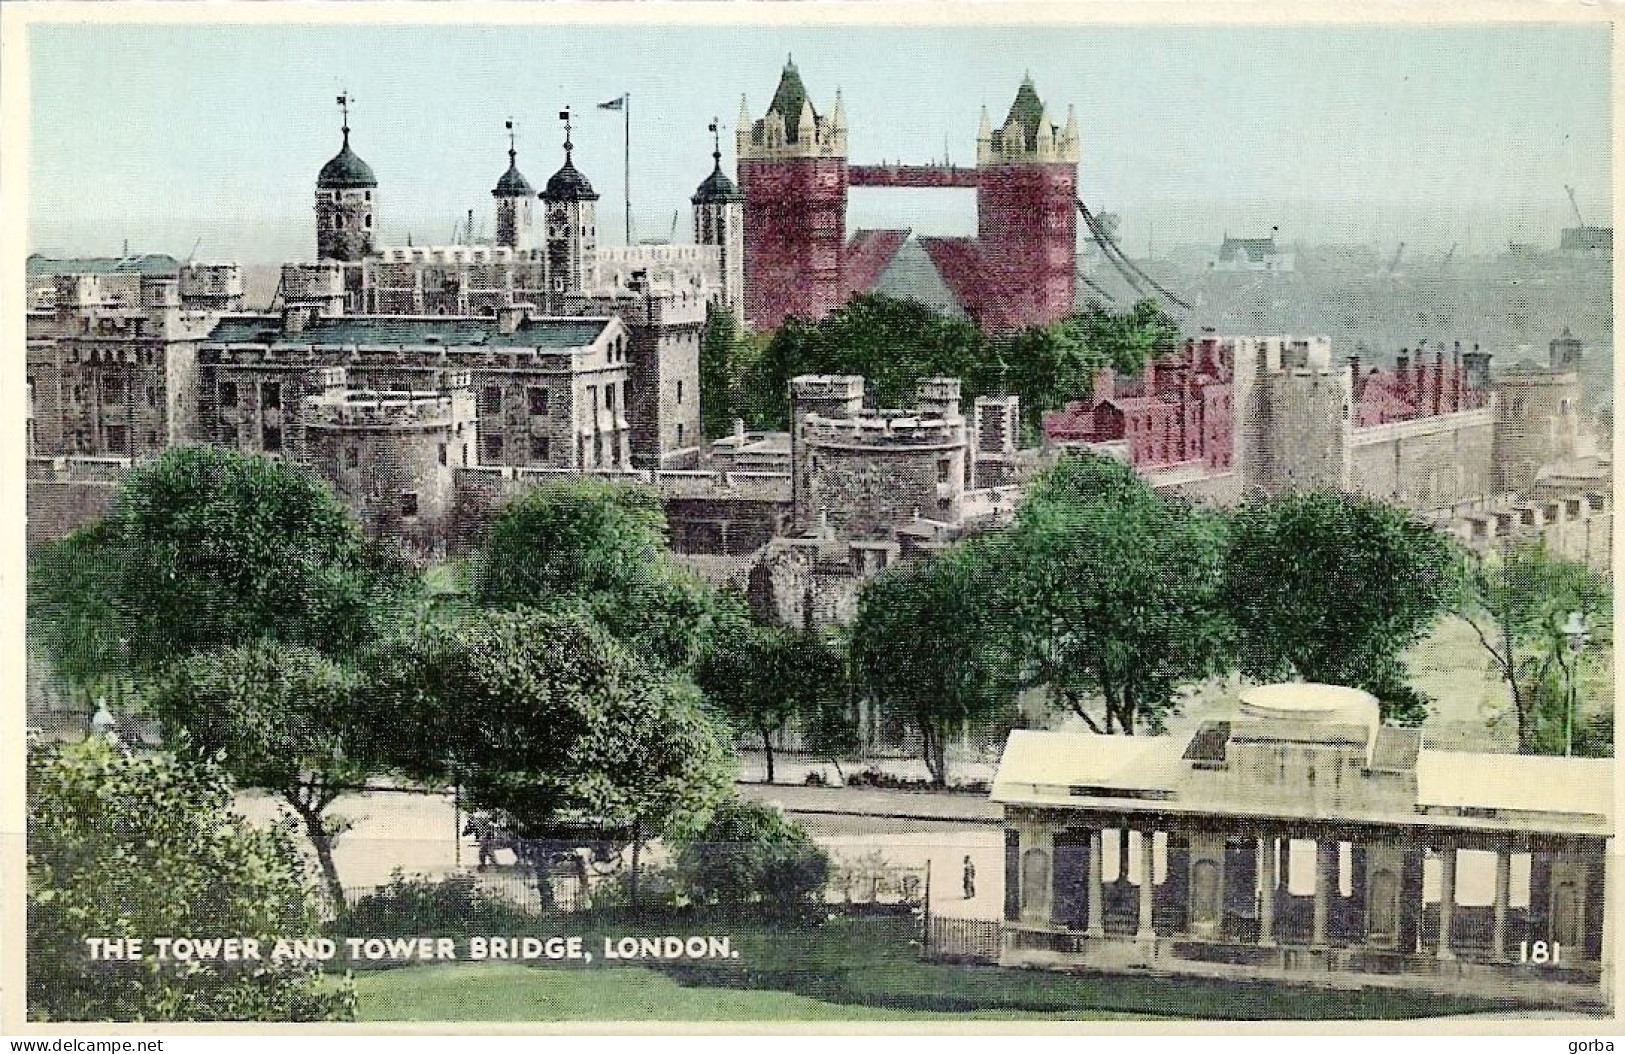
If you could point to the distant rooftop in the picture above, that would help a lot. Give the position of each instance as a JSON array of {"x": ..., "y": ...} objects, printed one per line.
[
  {"x": 40, "y": 266},
  {"x": 410, "y": 331}
]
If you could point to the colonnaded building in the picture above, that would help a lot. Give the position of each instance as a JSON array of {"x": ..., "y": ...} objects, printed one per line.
[{"x": 1304, "y": 840}]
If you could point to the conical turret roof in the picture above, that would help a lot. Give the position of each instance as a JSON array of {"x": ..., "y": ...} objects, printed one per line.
[
  {"x": 789, "y": 99},
  {"x": 1027, "y": 111}
]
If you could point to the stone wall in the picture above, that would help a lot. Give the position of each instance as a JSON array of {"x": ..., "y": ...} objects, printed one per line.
[
  {"x": 1426, "y": 463},
  {"x": 67, "y": 493}
]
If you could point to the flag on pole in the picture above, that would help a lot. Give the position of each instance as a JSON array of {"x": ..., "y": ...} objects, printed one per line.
[{"x": 613, "y": 104}]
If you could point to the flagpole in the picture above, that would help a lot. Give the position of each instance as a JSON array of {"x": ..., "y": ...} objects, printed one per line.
[{"x": 626, "y": 191}]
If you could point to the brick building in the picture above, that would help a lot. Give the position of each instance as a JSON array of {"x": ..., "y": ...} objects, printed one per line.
[{"x": 1237, "y": 417}]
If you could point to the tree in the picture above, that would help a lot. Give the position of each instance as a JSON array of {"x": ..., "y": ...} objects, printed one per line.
[
  {"x": 727, "y": 354},
  {"x": 206, "y": 548},
  {"x": 1333, "y": 588},
  {"x": 892, "y": 343},
  {"x": 545, "y": 718},
  {"x": 283, "y": 718},
  {"x": 928, "y": 643},
  {"x": 748, "y": 853},
  {"x": 122, "y": 846},
  {"x": 598, "y": 548},
  {"x": 1517, "y": 602},
  {"x": 1113, "y": 593},
  {"x": 763, "y": 678},
  {"x": 1047, "y": 366}
]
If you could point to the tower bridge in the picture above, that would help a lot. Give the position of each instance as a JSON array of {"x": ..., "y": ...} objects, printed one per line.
[
  {"x": 913, "y": 177},
  {"x": 1019, "y": 270}
]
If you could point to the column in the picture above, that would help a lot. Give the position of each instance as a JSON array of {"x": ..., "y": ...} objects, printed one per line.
[
  {"x": 1097, "y": 895},
  {"x": 1147, "y": 873},
  {"x": 1325, "y": 875},
  {"x": 1503, "y": 886},
  {"x": 1447, "y": 899},
  {"x": 1267, "y": 860}
]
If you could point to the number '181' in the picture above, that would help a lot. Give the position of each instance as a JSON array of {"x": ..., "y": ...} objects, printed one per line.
[{"x": 1539, "y": 952}]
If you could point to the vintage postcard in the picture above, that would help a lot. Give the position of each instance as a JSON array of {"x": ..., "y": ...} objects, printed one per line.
[{"x": 798, "y": 517}]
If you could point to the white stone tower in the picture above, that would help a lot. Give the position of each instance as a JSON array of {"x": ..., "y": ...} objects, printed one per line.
[
  {"x": 571, "y": 213},
  {"x": 514, "y": 201},
  {"x": 719, "y": 219},
  {"x": 345, "y": 202}
]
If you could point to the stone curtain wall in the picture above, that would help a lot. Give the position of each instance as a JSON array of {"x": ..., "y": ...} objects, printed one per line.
[{"x": 1426, "y": 463}]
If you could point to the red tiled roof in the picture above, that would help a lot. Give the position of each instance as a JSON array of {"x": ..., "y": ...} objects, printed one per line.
[
  {"x": 959, "y": 262},
  {"x": 867, "y": 255}
]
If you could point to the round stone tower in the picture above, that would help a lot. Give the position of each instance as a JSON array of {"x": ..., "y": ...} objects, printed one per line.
[
  {"x": 345, "y": 202},
  {"x": 719, "y": 220},
  {"x": 514, "y": 195},
  {"x": 792, "y": 171},
  {"x": 1026, "y": 218},
  {"x": 570, "y": 210}
]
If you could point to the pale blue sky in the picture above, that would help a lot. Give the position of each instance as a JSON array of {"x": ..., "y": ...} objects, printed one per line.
[{"x": 1435, "y": 135}]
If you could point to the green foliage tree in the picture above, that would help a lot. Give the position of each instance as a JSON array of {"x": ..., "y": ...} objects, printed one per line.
[
  {"x": 545, "y": 718},
  {"x": 930, "y": 644},
  {"x": 1333, "y": 588},
  {"x": 892, "y": 343},
  {"x": 1047, "y": 366},
  {"x": 283, "y": 718},
  {"x": 750, "y": 853},
  {"x": 1517, "y": 602},
  {"x": 1113, "y": 594},
  {"x": 206, "y": 548},
  {"x": 727, "y": 355},
  {"x": 599, "y": 548},
  {"x": 763, "y": 678},
  {"x": 145, "y": 847}
]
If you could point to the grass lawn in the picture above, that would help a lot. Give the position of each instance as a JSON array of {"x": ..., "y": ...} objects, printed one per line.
[
  {"x": 514, "y": 992},
  {"x": 845, "y": 969}
]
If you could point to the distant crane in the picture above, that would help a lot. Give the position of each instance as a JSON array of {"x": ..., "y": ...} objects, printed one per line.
[
  {"x": 673, "y": 238},
  {"x": 1575, "y": 205},
  {"x": 1451, "y": 255},
  {"x": 1393, "y": 265},
  {"x": 195, "y": 245}
]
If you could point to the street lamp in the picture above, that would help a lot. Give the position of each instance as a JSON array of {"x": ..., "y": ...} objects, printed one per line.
[{"x": 1578, "y": 636}]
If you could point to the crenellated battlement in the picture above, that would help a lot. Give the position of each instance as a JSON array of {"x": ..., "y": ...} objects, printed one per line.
[
  {"x": 380, "y": 410},
  {"x": 879, "y": 429}
]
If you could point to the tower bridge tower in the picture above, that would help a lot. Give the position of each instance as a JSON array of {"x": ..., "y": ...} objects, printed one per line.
[
  {"x": 792, "y": 170},
  {"x": 1026, "y": 216}
]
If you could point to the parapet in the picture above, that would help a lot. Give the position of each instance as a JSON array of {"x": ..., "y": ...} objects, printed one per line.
[
  {"x": 211, "y": 280},
  {"x": 822, "y": 386},
  {"x": 379, "y": 410},
  {"x": 882, "y": 428}
]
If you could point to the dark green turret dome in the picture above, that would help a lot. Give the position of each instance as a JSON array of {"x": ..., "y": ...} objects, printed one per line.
[
  {"x": 568, "y": 184},
  {"x": 788, "y": 100},
  {"x": 513, "y": 183},
  {"x": 717, "y": 186},
  {"x": 346, "y": 170}
]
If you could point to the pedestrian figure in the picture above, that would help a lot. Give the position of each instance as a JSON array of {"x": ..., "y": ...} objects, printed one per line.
[
  {"x": 970, "y": 879},
  {"x": 481, "y": 827}
]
